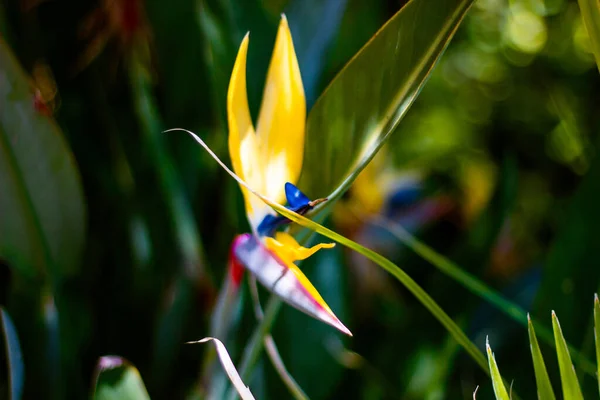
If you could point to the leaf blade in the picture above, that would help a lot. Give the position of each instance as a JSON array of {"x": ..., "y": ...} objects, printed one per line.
[
  {"x": 381, "y": 261},
  {"x": 499, "y": 388},
  {"x": 542, "y": 380},
  {"x": 570, "y": 384},
  {"x": 343, "y": 130},
  {"x": 590, "y": 13},
  {"x": 45, "y": 229}
]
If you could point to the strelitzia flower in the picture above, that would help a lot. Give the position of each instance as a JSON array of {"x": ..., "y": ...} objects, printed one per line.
[{"x": 269, "y": 160}]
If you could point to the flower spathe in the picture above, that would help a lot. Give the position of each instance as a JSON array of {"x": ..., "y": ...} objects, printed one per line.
[
  {"x": 269, "y": 160},
  {"x": 283, "y": 277}
]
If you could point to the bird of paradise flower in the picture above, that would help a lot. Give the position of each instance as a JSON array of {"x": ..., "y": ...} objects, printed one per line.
[{"x": 267, "y": 163}]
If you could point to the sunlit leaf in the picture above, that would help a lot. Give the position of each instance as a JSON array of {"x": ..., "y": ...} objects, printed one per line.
[
  {"x": 44, "y": 230},
  {"x": 14, "y": 361},
  {"x": 542, "y": 380},
  {"x": 499, "y": 388},
  {"x": 590, "y": 12},
  {"x": 234, "y": 377},
  {"x": 570, "y": 384},
  {"x": 363, "y": 105},
  {"x": 117, "y": 379}
]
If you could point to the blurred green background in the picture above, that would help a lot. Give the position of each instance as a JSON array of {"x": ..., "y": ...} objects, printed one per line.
[{"x": 502, "y": 139}]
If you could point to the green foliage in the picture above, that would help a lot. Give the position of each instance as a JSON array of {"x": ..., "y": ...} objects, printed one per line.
[
  {"x": 569, "y": 382},
  {"x": 542, "y": 380},
  {"x": 43, "y": 234},
  {"x": 570, "y": 386},
  {"x": 590, "y": 13},
  {"x": 343, "y": 131},
  {"x": 499, "y": 388},
  {"x": 115, "y": 238}
]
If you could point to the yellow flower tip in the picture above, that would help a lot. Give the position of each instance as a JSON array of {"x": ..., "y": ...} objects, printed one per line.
[
  {"x": 282, "y": 118},
  {"x": 243, "y": 144},
  {"x": 283, "y": 21}
]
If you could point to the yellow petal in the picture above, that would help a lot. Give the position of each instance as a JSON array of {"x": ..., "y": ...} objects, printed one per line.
[
  {"x": 243, "y": 144},
  {"x": 286, "y": 247},
  {"x": 282, "y": 117}
]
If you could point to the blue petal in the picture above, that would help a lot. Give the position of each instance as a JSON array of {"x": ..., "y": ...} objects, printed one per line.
[
  {"x": 295, "y": 198},
  {"x": 298, "y": 202}
]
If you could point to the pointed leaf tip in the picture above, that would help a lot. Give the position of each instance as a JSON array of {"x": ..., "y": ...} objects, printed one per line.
[
  {"x": 568, "y": 377},
  {"x": 544, "y": 387},
  {"x": 499, "y": 388}
]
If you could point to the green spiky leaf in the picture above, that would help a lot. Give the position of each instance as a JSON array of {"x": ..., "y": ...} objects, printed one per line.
[
  {"x": 542, "y": 380},
  {"x": 570, "y": 384},
  {"x": 499, "y": 388}
]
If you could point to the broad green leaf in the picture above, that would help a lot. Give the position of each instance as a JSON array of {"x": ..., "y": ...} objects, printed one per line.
[
  {"x": 43, "y": 228},
  {"x": 590, "y": 13},
  {"x": 117, "y": 379},
  {"x": 378, "y": 259},
  {"x": 365, "y": 102},
  {"x": 14, "y": 361},
  {"x": 499, "y": 388},
  {"x": 596, "y": 334},
  {"x": 570, "y": 385},
  {"x": 542, "y": 380}
]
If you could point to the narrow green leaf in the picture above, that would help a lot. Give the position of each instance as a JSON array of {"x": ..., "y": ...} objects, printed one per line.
[
  {"x": 14, "y": 360},
  {"x": 117, "y": 379},
  {"x": 590, "y": 13},
  {"x": 365, "y": 102},
  {"x": 378, "y": 259},
  {"x": 542, "y": 380},
  {"x": 43, "y": 230},
  {"x": 596, "y": 334},
  {"x": 570, "y": 385},
  {"x": 499, "y": 388}
]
